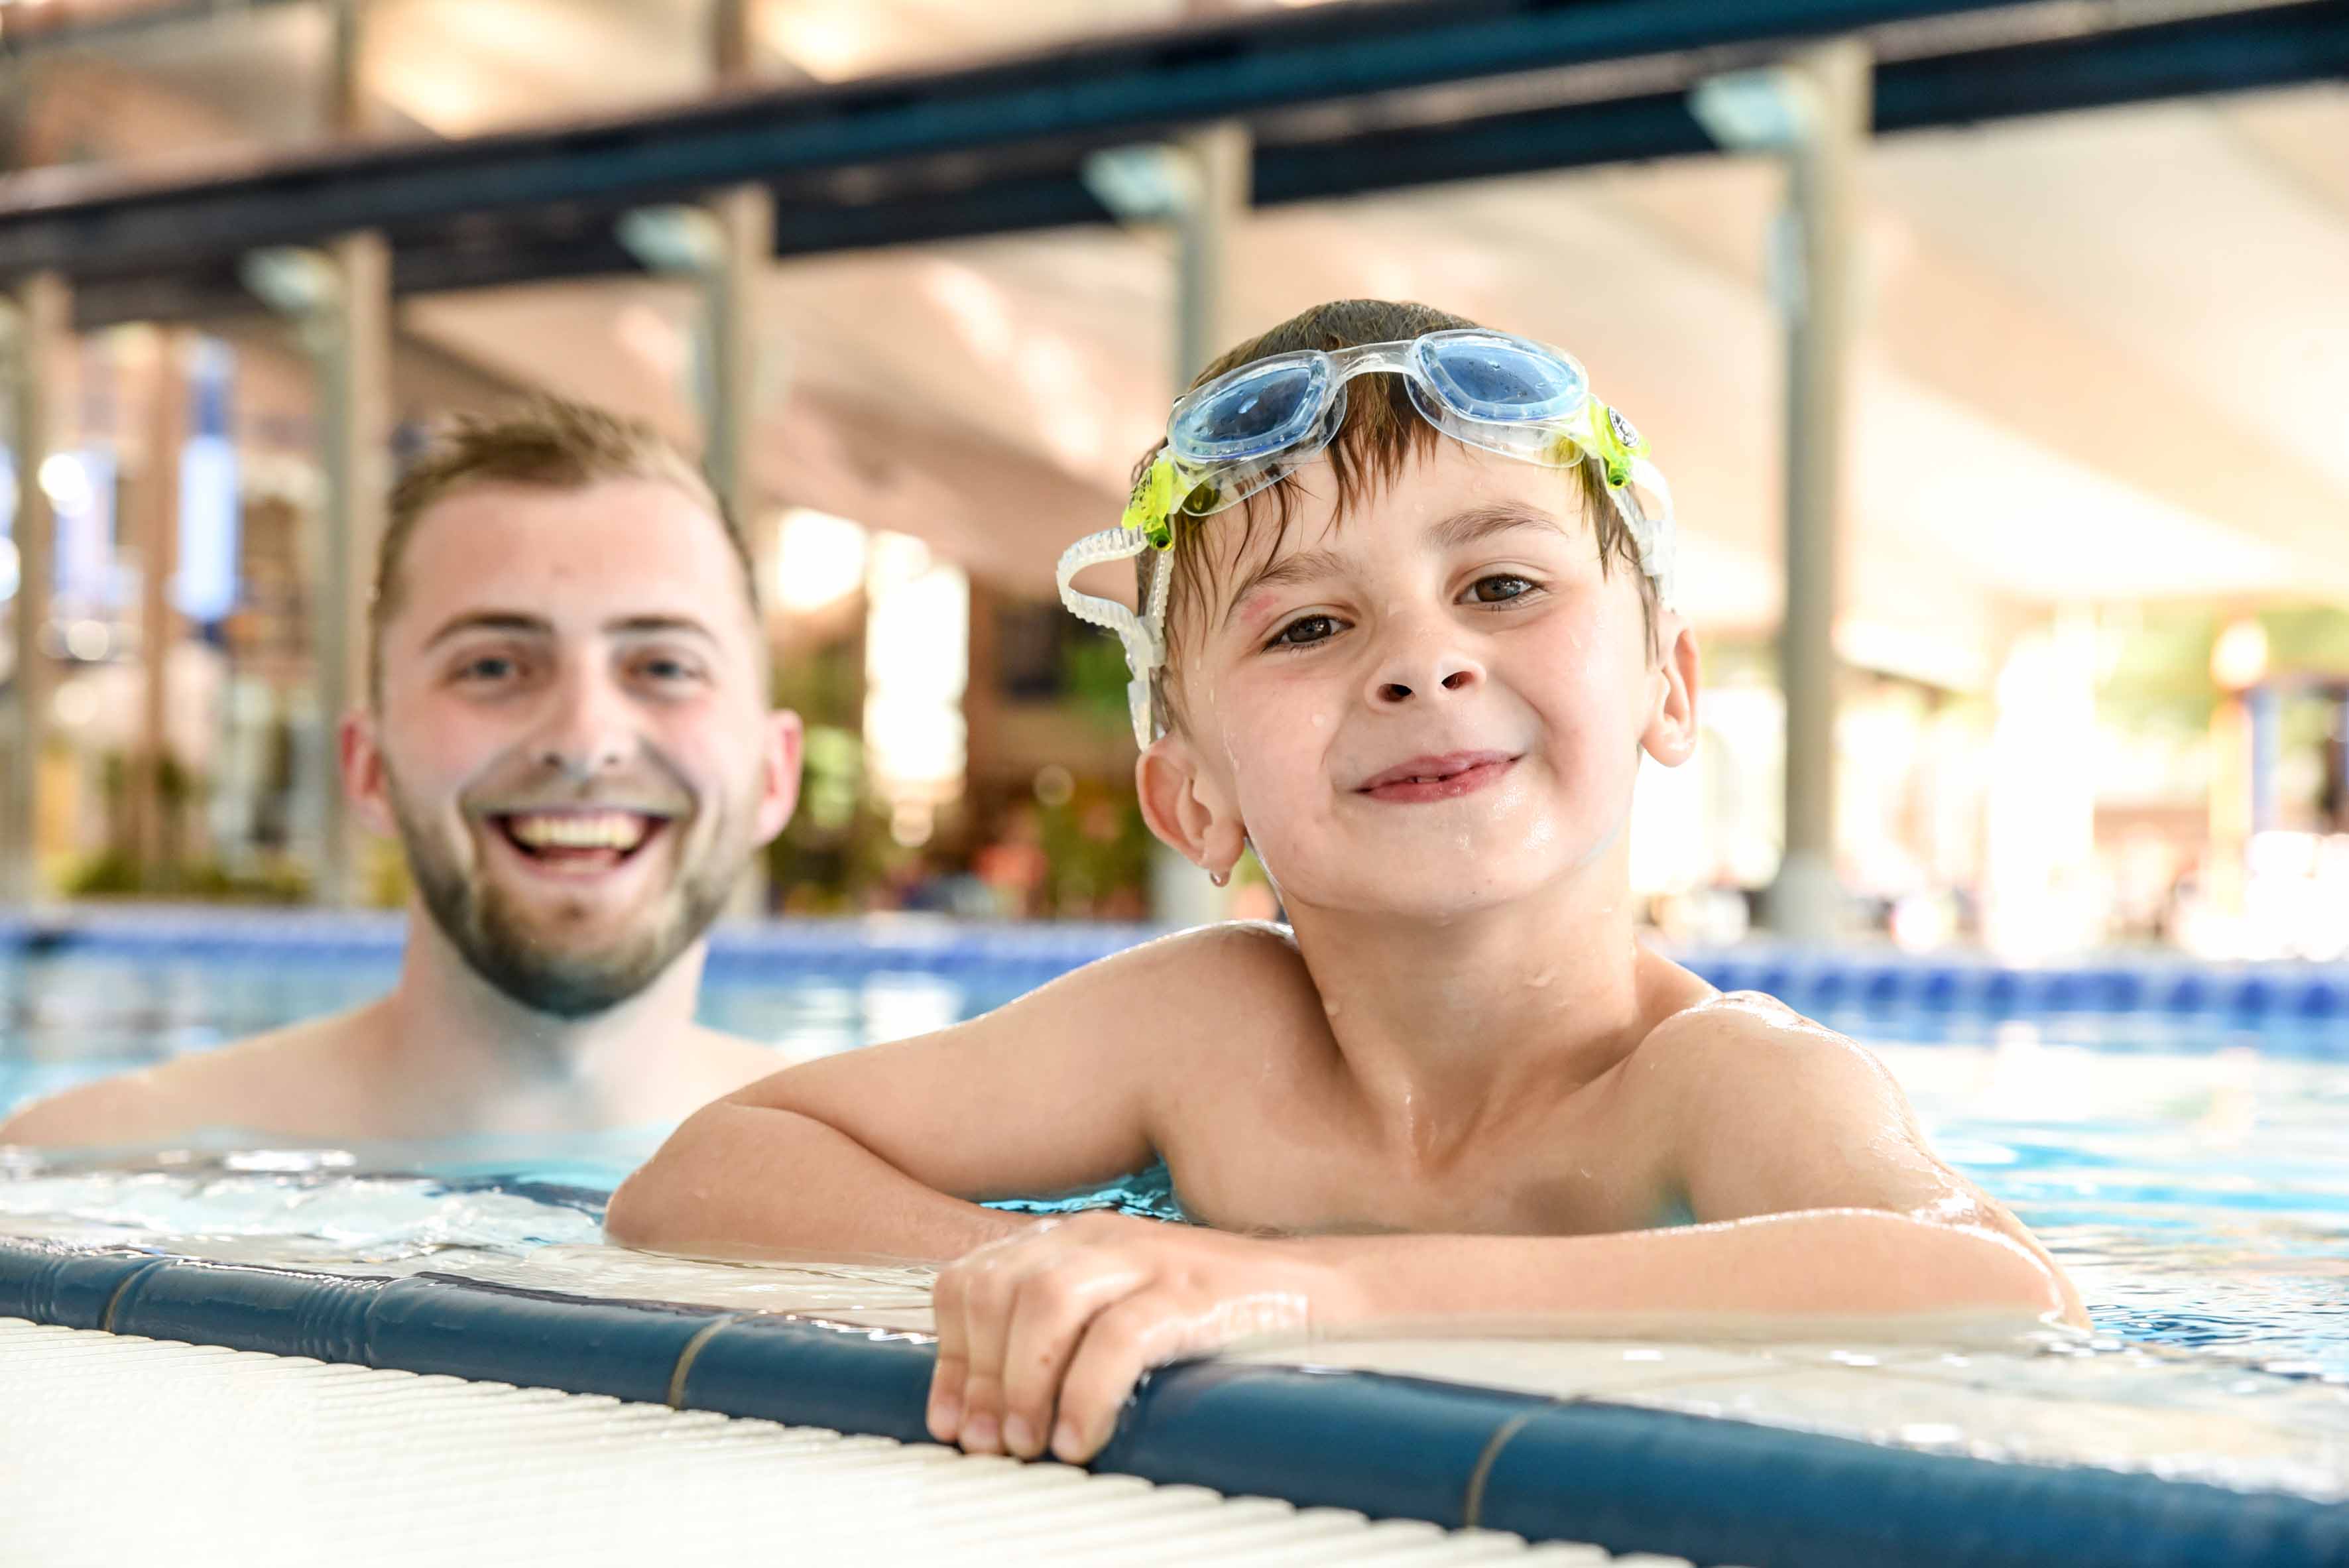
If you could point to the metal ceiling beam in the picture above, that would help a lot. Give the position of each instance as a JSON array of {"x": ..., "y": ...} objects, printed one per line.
[
  {"x": 1102, "y": 90},
  {"x": 1038, "y": 185}
]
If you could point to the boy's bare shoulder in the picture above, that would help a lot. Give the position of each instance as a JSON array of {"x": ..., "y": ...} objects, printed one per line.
[
  {"x": 1222, "y": 984},
  {"x": 1257, "y": 956},
  {"x": 1735, "y": 1044},
  {"x": 254, "y": 1084}
]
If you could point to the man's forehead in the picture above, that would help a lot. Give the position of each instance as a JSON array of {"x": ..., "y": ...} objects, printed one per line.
[{"x": 616, "y": 548}]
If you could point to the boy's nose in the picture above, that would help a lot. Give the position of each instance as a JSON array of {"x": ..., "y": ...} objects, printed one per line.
[{"x": 1431, "y": 672}]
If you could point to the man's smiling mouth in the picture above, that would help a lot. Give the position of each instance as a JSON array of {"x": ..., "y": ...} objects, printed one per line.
[{"x": 578, "y": 838}]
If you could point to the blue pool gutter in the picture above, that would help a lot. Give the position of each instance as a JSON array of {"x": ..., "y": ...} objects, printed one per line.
[{"x": 1626, "y": 1479}]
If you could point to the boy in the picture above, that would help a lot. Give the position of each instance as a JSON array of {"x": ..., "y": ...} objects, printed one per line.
[{"x": 1407, "y": 635}]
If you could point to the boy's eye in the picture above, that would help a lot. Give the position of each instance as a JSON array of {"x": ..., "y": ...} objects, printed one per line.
[
  {"x": 1500, "y": 587},
  {"x": 1305, "y": 631}
]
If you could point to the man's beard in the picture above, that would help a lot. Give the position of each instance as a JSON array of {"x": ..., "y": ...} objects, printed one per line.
[{"x": 495, "y": 940}]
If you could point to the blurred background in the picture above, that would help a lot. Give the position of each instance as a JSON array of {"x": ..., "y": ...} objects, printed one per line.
[{"x": 2028, "y": 326}]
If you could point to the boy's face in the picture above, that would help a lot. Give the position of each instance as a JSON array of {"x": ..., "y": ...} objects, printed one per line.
[
  {"x": 1432, "y": 706},
  {"x": 573, "y": 738}
]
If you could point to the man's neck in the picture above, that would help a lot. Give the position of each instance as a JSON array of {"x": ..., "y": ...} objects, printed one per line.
[
  {"x": 467, "y": 1043},
  {"x": 1442, "y": 1020}
]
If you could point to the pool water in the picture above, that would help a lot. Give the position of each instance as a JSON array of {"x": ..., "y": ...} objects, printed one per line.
[{"x": 2198, "y": 1192}]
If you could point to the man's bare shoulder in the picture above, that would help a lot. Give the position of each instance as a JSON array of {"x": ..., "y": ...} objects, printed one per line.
[{"x": 272, "y": 1082}]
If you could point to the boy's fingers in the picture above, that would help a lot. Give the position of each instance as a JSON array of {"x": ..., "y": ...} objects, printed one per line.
[
  {"x": 1118, "y": 1348},
  {"x": 991, "y": 1280},
  {"x": 946, "y": 1310},
  {"x": 945, "y": 1413},
  {"x": 1048, "y": 1317},
  {"x": 944, "y": 1416}
]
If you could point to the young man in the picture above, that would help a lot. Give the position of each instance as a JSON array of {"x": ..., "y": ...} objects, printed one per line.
[
  {"x": 567, "y": 726},
  {"x": 1408, "y": 634}
]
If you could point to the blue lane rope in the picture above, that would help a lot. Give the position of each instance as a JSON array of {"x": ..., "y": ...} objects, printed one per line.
[{"x": 2294, "y": 1008}]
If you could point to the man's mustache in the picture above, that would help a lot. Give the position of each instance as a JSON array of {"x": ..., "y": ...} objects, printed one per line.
[{"x": 544, "y": 787}]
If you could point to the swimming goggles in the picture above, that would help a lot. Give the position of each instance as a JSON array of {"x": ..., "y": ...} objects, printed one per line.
[{"x": 1246, "y": 430}]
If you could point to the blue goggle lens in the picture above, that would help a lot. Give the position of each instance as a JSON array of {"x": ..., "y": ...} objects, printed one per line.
[
  {"x": 1261, "y": 412},
  {"x": 1500, "y": 379}
]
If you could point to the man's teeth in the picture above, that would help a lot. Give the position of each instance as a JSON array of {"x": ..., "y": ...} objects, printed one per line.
[{"x": 621, "y": 830}]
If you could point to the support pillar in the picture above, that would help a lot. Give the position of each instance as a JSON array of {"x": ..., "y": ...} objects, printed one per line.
[
  {"x": 2264, "y": 707},
  {"x": 730, "y": 42},
  {"x": 355, "y": 416},
  {"x": 159, "y": 551},
  {"x": 1213, "y": 203},
  {"x": 733, "y": 339},
  {"x": 42, "y": 316},
  {"x": 1813, "y": 111},
  {"x": 346, "y": 94},
  {"x": 1806, "y": 904}
]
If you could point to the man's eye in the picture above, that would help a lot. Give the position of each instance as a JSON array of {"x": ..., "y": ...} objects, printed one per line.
[
  {"x": 1500, "y": 587},
  {"x": 1305, "y": 631},
  {"x": 486, "y": 668},
  {"x": 666, "y": 670}
]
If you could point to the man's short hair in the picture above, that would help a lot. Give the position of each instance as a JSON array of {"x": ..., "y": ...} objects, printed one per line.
[{"x": 547, "y": 443}]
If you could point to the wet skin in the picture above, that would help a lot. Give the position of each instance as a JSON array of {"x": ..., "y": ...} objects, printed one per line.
[
  {"x": 1460, "y": 1086},
  {"x": 572, "y": 737}
]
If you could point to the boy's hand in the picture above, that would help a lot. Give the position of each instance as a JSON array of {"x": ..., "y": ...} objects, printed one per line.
[{"x": 1042, "y": 1333}]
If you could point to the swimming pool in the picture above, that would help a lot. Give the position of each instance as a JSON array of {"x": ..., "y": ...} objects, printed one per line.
[{"x": 2182, "y": 1153}]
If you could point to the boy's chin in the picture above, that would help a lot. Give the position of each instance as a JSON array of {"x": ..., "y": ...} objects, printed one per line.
[{"x": 1437, "y": 896}]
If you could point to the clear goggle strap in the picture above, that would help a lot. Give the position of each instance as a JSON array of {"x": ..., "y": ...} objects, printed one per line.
[
  {"x": 1142, "y": 636},
  {"x": 1652, "y": 535}
]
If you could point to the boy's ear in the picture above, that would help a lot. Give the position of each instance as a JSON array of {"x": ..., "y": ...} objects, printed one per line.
[
  {"x": 364, "y": 784},
  {"x": 1186, "y": 809},
  {"x": 1670, "y": 735},
  {"x": 780, "y": 758}
]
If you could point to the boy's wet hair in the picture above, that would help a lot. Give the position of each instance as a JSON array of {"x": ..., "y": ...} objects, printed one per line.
[
  {"x": 542, "y": 443},
  {"x": 1382, "y": 434}
]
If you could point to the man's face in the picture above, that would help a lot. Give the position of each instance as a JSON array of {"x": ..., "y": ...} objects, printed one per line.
[
  {"x": 571, "y": 737},
  {"x": 1435, "y": 704}
]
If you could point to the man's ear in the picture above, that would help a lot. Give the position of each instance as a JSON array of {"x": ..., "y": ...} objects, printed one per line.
[
  {"x": 1670, "y": 735},
  {"x": 779, "y": 772},
  {"x": 365, "y": 783},
  {"x": 1184, "y": 808}
]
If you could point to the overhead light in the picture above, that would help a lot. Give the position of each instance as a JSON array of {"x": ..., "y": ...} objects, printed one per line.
[
  {"x": 676, "y": 240},
  {"x": 1767, "y": 110},
  {"x": 1146, "y": 184},
  {"x": 291, "y": 281}
]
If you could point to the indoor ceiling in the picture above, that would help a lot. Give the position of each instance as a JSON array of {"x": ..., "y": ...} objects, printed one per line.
[{"x": 2102, "y": 355}]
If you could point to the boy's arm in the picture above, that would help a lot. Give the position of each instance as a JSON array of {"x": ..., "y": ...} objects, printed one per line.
[
  {"x": 1764, "y": 1112},
  {"x": 1794, "y": 1147},
  {"x": 889, "y": 1150},
  {"x": 1041, "y": 1336}
]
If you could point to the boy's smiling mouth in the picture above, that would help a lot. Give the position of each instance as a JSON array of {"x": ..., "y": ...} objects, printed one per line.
[{"x": 1437, "y": 778}]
